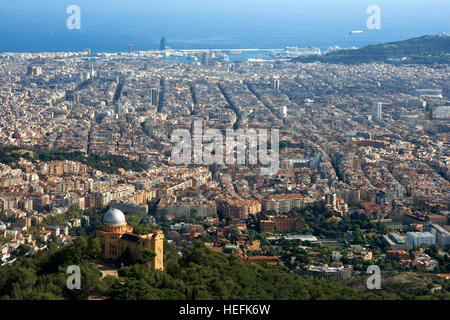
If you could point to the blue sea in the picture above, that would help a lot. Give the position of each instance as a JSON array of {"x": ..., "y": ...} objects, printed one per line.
[{"x": 110, "y": 25}]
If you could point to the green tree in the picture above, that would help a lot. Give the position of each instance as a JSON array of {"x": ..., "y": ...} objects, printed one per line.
[{"x": 148, "y": 257}]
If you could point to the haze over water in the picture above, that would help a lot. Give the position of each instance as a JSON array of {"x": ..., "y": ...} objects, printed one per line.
[{"x": 110, "y": 25}]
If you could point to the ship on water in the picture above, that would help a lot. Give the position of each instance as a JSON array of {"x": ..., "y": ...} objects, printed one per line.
[{"x": 356, "y": 32}]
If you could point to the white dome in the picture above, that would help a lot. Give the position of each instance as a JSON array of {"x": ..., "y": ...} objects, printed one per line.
[{"x": 114, "y": 217}]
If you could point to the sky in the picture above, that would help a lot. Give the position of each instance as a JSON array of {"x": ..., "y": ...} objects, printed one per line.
[{"x": 109, "y": 24}]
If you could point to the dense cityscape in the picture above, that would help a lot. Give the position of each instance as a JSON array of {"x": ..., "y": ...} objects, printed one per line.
[{"x": 86, "y": 151}]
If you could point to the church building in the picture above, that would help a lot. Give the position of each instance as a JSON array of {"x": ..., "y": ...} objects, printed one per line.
[{"x": 116, "y": 236}]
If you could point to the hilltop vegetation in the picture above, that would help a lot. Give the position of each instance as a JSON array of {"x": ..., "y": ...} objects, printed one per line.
[
  {"x": 422, "y": 50},
  {"x": 199, "y": 274},
  {"x": 406, "y": 285},
  {"x": 107, "y": 164}
]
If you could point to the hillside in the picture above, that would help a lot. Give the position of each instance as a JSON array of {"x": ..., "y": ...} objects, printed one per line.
[
  {"x": 200, "y": 274},
  {"x": 422, "y": 50},
  {"x": 406, "y": 285}
]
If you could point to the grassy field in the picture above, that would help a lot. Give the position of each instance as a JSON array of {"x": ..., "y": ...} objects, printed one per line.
[{"x": 405, "y": 284}]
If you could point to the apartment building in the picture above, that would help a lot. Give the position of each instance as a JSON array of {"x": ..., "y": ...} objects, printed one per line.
[
  {"x": 419, "y": 239},
  {"x": 283, "y": 203}
]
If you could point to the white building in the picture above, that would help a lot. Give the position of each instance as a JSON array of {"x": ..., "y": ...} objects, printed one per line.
[
  {"x": 442, "y": 235},
  {"x": 429, "y": 93},
  {"x": 283, "y": 203},
  {"x": 441, "y": 112},
  {"x": 377, "y": 110},
  {"x": 276, "y": 84},
  {"x": 419, "y": 239}
]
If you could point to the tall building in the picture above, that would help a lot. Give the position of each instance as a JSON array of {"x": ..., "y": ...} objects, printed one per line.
[
  {"x": 34, "y": 71},
  {"x": 276, "y": 84},
  {"x": 330, "y": 201},
  {"x": 116, "y": 236},
  {"x": 377, "y": 110},
  {"x": 163, "y": 44},
  {"x": 155, "y": 96},
  {"x": 428, "y": 113},
  {"x": 73, "y": 96},
  {"x": 205, "y": 59},
  {"x": 284, "y": 111}
]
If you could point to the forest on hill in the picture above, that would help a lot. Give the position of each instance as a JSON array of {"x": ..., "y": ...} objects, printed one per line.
[
  {"x": 199, "y": 274},
  {"x": 421, "y": 50}
]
